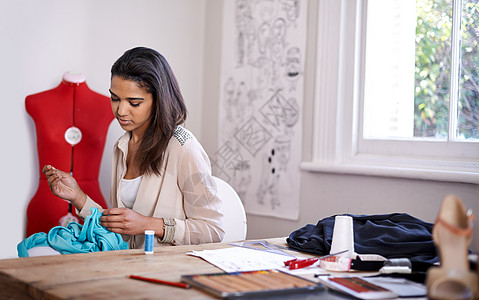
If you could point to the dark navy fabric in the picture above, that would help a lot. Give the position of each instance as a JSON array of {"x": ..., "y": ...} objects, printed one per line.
[{"x": 395, "y": 235}]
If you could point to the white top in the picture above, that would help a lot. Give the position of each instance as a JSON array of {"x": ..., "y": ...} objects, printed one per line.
[{"x": 128, "y": 191}]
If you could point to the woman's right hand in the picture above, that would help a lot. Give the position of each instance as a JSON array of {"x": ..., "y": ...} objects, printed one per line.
[{"x": 63, "y": 185}]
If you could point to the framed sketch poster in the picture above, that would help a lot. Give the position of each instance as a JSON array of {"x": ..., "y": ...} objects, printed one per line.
[{"x": 260, "y": 134}]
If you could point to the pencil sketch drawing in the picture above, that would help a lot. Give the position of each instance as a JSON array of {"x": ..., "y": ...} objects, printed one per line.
[{"x": 261, "y": 99}]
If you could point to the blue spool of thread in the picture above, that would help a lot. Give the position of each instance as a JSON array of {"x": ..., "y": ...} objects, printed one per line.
[{"x": 149, "y": 241}]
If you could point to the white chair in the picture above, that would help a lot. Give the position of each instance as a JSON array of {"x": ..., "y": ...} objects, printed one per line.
[{"x": 234, "y": 216}]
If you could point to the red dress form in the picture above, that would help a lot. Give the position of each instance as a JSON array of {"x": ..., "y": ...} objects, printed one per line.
[{"x": 71, "y": 103}]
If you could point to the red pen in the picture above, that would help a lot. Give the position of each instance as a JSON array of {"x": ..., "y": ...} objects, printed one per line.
[
  {"x": 176, "y": 284},
  {"x": 300, "y": 263}
]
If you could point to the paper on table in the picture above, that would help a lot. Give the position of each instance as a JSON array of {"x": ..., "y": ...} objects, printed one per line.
[{"x": 241, "y": 259}]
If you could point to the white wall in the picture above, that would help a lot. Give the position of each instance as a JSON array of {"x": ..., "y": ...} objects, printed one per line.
[{"x": 40, "y": 40}]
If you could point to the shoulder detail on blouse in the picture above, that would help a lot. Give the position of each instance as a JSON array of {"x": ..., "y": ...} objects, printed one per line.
[{"x": 182, "y": 135}]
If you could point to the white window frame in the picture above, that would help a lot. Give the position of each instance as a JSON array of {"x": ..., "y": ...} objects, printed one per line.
[{"x": 337, "y": 145}]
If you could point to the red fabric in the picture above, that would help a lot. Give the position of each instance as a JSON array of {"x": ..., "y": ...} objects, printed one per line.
[{"x": 54, "y": 111}]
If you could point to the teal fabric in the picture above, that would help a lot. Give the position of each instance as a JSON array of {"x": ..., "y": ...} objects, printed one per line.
[{"x": 76, "y": 238}]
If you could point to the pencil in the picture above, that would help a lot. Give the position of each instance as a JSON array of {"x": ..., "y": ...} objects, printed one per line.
[
  {"x": 207, "y": 281},
  {"x": 176, "y": 284}
]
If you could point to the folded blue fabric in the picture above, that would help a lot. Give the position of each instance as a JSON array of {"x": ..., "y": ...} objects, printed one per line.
[{"x": 76, "y": 238}]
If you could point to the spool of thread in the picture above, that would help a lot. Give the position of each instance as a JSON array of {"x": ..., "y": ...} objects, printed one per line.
[
  {"x": 149, "y": 241},
  {"x": 343, "y": 236}
]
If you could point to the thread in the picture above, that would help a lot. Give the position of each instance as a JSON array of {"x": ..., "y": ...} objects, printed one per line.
[
  {"x": 149, "y": 241},
  {"x": 343, "y": 236}
]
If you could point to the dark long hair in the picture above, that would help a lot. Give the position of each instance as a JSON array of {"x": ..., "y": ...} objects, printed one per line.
[{"x": 152, "y": 72}]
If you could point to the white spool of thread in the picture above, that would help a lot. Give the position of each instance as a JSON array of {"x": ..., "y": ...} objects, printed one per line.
[{"x": 343, "y": 236}]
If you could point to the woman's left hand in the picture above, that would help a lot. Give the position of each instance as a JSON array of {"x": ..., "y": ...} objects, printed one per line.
[{"x": 127, "y": 221}]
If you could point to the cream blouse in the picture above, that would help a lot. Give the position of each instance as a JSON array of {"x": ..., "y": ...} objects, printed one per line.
[{"x": 184, "y": 195}]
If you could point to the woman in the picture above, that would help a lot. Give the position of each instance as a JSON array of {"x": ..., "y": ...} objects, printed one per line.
[{"x": 161, "y": 175}]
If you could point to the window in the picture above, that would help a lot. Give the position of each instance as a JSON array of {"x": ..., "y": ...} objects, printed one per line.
[
  {"x": 421, "y": 70},
  {"x": 397, "y": 89}
]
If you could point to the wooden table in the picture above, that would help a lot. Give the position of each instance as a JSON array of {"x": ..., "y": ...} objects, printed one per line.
[{"x": 103, "y": 275}]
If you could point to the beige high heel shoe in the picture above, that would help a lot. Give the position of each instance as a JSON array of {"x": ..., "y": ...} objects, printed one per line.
[{"x": 452, "y": 234}]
